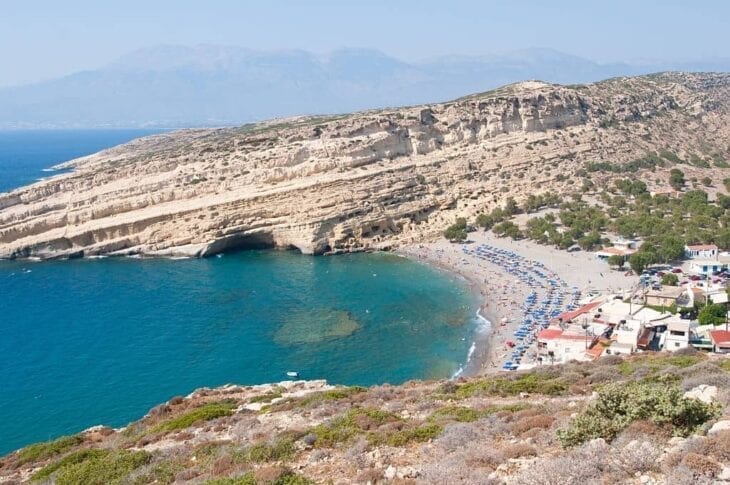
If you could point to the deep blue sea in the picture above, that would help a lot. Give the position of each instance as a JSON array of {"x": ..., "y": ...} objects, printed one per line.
[{"x": 88, "y": 342}]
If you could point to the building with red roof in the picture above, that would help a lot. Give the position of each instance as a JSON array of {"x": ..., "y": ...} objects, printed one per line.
[{"x": 720, "y": 341}]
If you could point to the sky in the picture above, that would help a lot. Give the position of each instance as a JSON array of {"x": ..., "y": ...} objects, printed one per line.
[{"x": 43, "y": 39}]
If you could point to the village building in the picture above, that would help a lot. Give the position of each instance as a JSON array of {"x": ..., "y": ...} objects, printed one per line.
[
  {"x": 705, "y": 267},
  {"x": 720, "y": 341},
  {"x": 561, "y": 343},
  {"x": 665, "y": 297},
  {"x": 626, "y": 337},
  {"x": 672, "y": 193},
  {"x": 677, "y": 335},
  {"x": 606, "y": 253},
  {"x": 701, "y": 251},
  {"x": 625, "y": 244}
]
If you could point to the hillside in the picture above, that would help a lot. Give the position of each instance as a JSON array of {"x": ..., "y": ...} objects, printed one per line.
[
  {"x": 610, "y": 421},
  {"x": 373, "y": 179}
]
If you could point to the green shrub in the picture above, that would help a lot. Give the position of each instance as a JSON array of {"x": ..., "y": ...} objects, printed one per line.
[
  {"x": 282, "y": 449},
  {"x": 456, "y": 413},
  {"x": 206, "y": 412},
  {"x": 315, "y": 399},
  {"x": 412, "y": 435},
  {"x": 351, "y": 424},
  {"x": 247, "y": 479},
  {"x": 266, "y": 397},
  {"x": 104, "y": 469},
  {"x": 618, "y": 405},
  {"x": 68, "y": 460},
  {"x": 41, "y": 451},
  {"x": 534, "y": 382}
]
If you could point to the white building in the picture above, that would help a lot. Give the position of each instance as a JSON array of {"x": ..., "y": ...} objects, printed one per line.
[
  {"x": 701, "y": 251},
  {"x": 627, "y": 335},
  {"x": 677, "y": 335},
  {"x": 705, "y": 267}
]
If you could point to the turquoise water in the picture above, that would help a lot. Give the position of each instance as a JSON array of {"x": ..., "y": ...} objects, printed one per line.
[{"x": 88, "y": 342}]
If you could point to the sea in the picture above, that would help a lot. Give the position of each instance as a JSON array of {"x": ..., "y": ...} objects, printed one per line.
[{"x": 101, "y": 341}]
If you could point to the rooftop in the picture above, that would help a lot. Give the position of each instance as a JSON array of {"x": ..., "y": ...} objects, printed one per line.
[
  {"x": 720, "y": 337},
  {"x": 702, "y": 247}
]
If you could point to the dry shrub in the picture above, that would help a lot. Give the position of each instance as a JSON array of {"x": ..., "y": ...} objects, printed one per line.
[
  {"x": 542, "y": 421},
  {"x": 700, "y": 465},
  {"x": 370, "y": 475},
  {"x": 456, "y": 469},
  {"x": 518, "y": 450},
  {"x": 602, "y": 375},
  {"x": 685, "y": 351},
  {"x": 456, "y": 436},
  {"x": 609, "y": 360},
  {"x": 637, "y": 457},
  {"x": 643, "y": 431},
  {"x": 222, "y": 466},
  {"x": 488, "y": 458},
  {"x": 716, "y": 446},
  {"x": 186, "y": 475},
  {"x": 585, "y": 465},
  {"x": 528, "y": 412},
  {"x": 718, "y": 379},
  {"x": 682, "y": 475},
  {"x": 269, "y": 474}
]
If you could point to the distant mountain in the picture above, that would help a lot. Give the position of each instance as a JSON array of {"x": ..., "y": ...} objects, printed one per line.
[{"x": 177, "y": 86}]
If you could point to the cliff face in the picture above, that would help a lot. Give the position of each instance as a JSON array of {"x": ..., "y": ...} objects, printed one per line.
[{"x": 370, "y": 179}]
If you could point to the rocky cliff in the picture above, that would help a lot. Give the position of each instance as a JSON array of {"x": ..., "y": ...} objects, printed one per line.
[{"x": 364, "y": 180}]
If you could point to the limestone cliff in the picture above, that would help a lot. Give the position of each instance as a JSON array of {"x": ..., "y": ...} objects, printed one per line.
[{"x": 364, "y": 180}]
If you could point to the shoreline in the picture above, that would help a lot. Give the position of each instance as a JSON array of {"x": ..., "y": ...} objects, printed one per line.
[{"x": 501, "y": 294}]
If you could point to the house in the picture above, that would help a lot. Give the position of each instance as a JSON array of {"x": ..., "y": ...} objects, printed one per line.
[
  {"x": 665, "y": 192},
  {"x": 677, "y": 335},
  {"x": 665, "y": 297},
  {"x": 720, "y": 341},
  {"x": 705, "y": 267},
  {"x": 564, "y": 342},
  {"x": 701, "y": 251},
  {"x": 606, "y": 253},
  {"x": 625, "y": 244},
  {"x": 626, "y": 336}
]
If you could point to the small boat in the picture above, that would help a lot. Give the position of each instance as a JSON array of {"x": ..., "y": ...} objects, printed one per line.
[{"x": 292, "y": 374}]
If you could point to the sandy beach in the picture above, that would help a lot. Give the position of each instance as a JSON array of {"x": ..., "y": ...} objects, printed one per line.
[{"x": 503, "y": 294}]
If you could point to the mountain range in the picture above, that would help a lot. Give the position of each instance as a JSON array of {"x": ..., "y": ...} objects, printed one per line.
[{"x": 209, "y": 85}]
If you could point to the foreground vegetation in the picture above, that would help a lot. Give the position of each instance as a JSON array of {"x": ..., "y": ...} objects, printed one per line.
[{"x": 608, "y": 420}]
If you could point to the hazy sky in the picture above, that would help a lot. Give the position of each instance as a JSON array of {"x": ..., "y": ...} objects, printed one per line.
[{"x": 43, "y": 39}]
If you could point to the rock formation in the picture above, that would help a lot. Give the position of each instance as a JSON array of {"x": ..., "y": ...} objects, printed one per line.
[{"x": 364, "y": 180}]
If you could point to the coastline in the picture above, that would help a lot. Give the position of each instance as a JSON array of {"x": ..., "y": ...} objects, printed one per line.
[{"x": 502, "y": 294}]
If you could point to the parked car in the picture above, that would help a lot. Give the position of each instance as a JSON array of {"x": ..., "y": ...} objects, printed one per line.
[
  {"x": 694, "y": 277},
  {"x": 677, "y": 270}
]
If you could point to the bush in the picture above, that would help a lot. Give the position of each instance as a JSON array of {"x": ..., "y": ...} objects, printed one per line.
[
  {"x": 532, "y": 422},
  {"x": 206, "y": 412},
  {"x": 518, "y": 450},
  {"x": 281, "y": 449},
  {"x": 535, "y": 382},
  {"x": 356, "y": 421},
  {"x": 68, "y": 460},
  {"x": 247, "y": 479},
  {"x": 670, "y": 279},
  {"x": 618, "y": 405},
  {"x": 103, "y": 469},
  {"x": 41, "y": 451}
]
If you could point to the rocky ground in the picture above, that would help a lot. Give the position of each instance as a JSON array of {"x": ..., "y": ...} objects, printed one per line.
[
  {"x": 612, "y": 421},
  {"x": 367, "y": 180}
]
